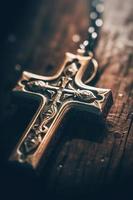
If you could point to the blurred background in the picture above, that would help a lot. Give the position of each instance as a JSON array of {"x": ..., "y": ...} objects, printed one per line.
[{"x": 97, "y": 163}]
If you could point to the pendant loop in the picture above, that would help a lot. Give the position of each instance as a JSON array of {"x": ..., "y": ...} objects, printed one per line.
[{"x": 95, "y": 67}]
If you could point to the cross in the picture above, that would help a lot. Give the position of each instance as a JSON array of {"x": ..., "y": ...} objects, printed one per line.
[{"x": 57, "y": 94}]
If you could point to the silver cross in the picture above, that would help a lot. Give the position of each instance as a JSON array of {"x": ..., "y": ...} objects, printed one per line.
[{"x": 57, "y": 94}]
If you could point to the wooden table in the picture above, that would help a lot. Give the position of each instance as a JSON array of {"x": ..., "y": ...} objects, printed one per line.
[{"x": 88, "y": 160}]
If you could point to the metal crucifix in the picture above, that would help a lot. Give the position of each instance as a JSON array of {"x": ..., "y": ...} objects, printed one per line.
[{"x": 58, "y": 94}]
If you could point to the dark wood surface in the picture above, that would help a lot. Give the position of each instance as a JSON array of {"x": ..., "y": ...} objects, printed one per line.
[{"x": 89, "y": 161}]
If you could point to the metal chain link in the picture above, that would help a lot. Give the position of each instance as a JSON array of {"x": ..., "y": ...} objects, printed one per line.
[{"x": 88, "y": 46}]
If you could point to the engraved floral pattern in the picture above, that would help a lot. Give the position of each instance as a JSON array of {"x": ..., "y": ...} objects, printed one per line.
[{"x": 56, "y": 92}]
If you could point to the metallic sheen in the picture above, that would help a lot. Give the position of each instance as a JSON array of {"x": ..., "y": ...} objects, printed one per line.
[{"x": 57, "y": 94}]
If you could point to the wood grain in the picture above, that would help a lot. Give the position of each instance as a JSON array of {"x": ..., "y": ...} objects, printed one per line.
[{"x": 89, "y": 160}]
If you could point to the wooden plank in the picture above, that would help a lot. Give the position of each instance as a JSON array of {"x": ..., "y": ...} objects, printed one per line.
[{"x": 87, "y": 159}]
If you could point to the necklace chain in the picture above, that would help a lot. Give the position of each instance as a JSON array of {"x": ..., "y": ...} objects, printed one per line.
[{"x": 88, "y": 46}]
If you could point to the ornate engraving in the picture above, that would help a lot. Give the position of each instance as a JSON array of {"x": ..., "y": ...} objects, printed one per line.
[
  {"x": 38, "y": 131},
  {"x": 42, "y": 124},
  {"x": 58, "y": 91},
  {"x": 85, "y": 95}
]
